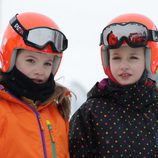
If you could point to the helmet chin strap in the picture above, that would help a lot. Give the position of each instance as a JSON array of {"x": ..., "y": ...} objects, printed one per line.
[
  {"x": 105, "y": 62},
  {"x": 109, "y": 74},
  {"x": 13, "y": 59}
]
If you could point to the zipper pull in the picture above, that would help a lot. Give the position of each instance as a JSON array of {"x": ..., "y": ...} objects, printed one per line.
[
  {"x": 51, "y": 137},
  {"x": 49, "y": 125}
]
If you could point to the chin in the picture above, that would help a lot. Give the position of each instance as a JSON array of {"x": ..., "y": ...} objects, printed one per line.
[{"x": 126, "y": 83}]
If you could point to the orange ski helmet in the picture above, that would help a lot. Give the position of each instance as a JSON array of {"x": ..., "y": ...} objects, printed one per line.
[
  {"x": 34, "y": 32},
  {"x": 151, "y": 46}
]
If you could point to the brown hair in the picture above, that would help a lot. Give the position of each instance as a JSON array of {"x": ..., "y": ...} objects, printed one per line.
[{"x": 62, "y": 98}]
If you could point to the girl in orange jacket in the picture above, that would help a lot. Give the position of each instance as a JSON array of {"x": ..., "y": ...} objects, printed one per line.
[{"x": 34, "y": 109}]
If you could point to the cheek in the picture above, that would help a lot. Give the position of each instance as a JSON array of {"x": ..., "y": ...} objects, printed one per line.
[
  {"x": 48, "y": 71},
  {"x": 25, "y": 71},
  {"x": 139, "y": 66},
  {"x": 113, "y": 69},
  {"x": 22, "y": 68},
  {"x": 114, "y": 65}
]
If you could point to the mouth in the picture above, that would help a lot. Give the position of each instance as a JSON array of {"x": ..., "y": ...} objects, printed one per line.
[
  {"x": 38, "y": 81},
  {"x": 125, "y": 75}
]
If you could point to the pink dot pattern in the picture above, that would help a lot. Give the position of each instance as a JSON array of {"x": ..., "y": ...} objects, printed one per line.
[{"x": 116, "y": 123}]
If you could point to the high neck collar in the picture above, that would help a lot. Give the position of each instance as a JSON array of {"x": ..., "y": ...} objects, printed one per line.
[{"x": 22, "y": 86}]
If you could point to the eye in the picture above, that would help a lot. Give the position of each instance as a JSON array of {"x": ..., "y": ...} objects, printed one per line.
[
  {"x": 30, "y": 60},
  {"x": 48, "y": 64},
  {"x": 134, "y": 57},
  {"x": 116, "y": 58}
]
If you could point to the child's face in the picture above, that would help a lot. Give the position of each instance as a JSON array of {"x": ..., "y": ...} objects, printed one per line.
[
  {"x": 127, "y": 64},
  {"x": 37, "y": 66}
]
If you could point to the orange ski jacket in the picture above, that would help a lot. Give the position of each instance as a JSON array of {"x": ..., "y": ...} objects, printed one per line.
[{"x": 26, "y": 132}]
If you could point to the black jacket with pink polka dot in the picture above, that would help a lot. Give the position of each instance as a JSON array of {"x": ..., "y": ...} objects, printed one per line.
[{"x": 116, "y": 122}]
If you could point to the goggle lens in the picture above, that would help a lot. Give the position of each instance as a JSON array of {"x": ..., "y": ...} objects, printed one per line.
[
  {"x": 41, "y": 36},
  {"x": 134, "y": 34}
]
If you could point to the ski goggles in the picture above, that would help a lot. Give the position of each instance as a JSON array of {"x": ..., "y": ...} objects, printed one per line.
[
  {"x": 40, "y": 37},
  {"x": 134, "y": 34}
]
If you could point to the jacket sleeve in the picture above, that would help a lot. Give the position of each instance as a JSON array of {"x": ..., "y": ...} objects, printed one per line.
[{"x": 80, "y": 134}]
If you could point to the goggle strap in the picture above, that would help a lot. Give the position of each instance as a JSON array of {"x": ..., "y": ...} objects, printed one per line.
[
  {"x": 66, "y": 43},
  {"x": 17, "y": 26},
  {"x": 153, "y": 35},
  {"x": 101, "y": 39}
]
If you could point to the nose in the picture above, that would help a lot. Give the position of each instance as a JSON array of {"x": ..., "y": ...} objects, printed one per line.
[
  {"x": 124, "y": 65},
  {"x": 39, "y": 71}
]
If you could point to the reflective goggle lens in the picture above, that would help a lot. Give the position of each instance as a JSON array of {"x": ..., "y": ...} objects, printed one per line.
[{"x": 135, "y": 35}]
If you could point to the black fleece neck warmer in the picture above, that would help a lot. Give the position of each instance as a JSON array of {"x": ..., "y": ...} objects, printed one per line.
[{"x": 20, "y": 85}]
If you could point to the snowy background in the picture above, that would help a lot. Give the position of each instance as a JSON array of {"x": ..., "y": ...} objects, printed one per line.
[{"x": 82, "y": 22}]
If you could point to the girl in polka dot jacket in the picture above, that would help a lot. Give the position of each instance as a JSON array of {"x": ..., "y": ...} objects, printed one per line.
[{"x": 120, "y": 116}]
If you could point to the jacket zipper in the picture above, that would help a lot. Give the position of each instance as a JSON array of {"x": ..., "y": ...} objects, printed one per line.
[
  {"x": 42, "y": 134},
  {"x": 39, "y": 122}
]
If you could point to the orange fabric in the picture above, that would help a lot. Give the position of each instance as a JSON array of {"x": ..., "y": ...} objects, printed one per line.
[{"x": 20, "y": 135}]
